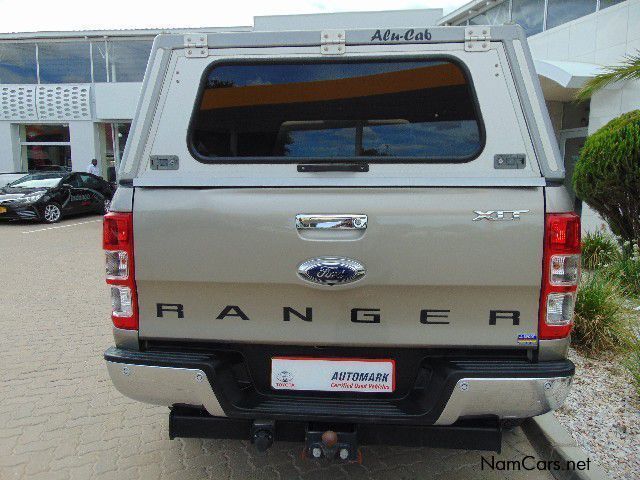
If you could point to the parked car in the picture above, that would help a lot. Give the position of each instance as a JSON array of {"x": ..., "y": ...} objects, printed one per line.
[
  {"x": 351, "y": 237},
  {"x": 49, "y": 197},
  {"x": 6, "y": 178}
]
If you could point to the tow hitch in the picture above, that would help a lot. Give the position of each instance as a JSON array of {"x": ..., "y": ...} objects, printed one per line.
[
  {"x": 335, "y": 441},
  {"x": 332, "y": 445}
]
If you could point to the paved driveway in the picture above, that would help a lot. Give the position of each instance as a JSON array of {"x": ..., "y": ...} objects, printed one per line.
[{"x": 60, "y": 418}]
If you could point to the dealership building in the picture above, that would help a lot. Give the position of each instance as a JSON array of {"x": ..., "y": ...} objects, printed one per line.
[{"x": 68, "y": 97}]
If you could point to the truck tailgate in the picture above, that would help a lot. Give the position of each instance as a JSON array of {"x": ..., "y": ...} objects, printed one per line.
[{"x": 221, "y": 265}]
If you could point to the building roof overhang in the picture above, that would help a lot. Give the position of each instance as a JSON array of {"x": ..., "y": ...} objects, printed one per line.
[{"x": 560, "y": 80}]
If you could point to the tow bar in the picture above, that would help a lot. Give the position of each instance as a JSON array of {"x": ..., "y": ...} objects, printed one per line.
[
  {"x": 337, "y": 441},
  {"x": 332, "y": 446},
  {"x": 326, "y": 444}
]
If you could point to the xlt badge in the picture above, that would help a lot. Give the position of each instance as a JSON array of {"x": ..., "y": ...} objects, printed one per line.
[
  {"x": 330, "y": 271},
  {"x": 498, "y": 215}
]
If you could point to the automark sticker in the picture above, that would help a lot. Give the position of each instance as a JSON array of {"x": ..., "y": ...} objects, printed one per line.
[{"x": 333, "y": 375}]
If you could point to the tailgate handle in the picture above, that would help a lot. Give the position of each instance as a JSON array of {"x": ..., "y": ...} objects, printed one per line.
[
  {"x": 331, "y": 222},
  {"x": 333, "y": 167}
]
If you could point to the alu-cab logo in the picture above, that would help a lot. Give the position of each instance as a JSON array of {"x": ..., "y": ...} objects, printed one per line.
[{"x": 330, "y": 271}]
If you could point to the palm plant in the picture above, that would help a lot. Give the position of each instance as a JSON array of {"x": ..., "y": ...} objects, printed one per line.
[{"x": 629, "y": 69}]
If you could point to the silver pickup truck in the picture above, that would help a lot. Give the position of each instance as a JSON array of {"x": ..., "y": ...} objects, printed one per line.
[{"x": 343, "y": 237}]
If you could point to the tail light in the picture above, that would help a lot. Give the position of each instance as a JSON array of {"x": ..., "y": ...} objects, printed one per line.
[
  {"x": 560, "y": 274},
  {"x": 117, "y": 241}
]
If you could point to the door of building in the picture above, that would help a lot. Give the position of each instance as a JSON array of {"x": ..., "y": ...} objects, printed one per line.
[{"x": 571, "y": 142}]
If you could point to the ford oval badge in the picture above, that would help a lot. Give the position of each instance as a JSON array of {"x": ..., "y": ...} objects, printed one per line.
[{"x": 330, "y": 271}]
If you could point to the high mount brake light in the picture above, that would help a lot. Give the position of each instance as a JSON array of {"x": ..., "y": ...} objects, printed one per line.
[
  {"x": 560, "y": 274},
  {"x": 117, "y": 241}
]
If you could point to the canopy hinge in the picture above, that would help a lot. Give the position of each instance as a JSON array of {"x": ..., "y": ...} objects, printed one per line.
[
  {"x": 333, "y": 42},
  {"x": 196, "y": 45},
  {"x": 477, "y": 38}
]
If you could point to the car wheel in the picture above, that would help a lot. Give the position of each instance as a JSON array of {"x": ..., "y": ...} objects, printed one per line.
[{"x": 52, "y": 213}]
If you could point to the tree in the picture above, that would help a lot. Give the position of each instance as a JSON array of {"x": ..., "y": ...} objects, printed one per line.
[
  {"x": 607, "y": 174},
  {"x": 629, "y": 69}
]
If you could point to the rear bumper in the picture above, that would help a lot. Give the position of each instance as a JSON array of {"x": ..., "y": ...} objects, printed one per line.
[{"x": 456, "y": 390}]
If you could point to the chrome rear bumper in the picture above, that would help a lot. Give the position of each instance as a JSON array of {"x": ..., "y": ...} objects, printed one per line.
[{"x": 174, "y": 379}]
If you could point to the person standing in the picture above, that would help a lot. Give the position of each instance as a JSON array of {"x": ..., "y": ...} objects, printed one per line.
[{"x": 93, "y": 168}]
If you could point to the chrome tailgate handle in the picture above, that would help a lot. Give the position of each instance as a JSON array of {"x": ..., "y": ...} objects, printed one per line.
[{"x": 331, "y": 222}]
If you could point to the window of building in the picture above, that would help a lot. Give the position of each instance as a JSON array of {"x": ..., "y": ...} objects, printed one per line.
[
  {"x": 529, "y": 14},
  {"x": 99, "y": 59},
  {"x": 423, "y": 110},
  {"x": 128, "y": 59},
  {"x": 46, "y": 147},
  {"x": 575, "y": 115},
  {"x": 64, "y": 62},
  {"x": 608, "y": 3},
  {"x": 563, "y": 11},
  {"x": 114, "y": 147},
  {"x": 497, "y": 15},
  {"x": 18, "y": 63}
]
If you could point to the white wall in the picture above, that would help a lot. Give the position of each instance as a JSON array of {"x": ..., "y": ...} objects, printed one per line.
[
  {"x": 84, "y": 145},
  {"x": 116, "y": 101},
  {"x": 10, "y": 147}
]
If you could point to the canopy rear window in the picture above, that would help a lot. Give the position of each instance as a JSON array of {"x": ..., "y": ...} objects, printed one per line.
[{"x": 413, "y": 110}]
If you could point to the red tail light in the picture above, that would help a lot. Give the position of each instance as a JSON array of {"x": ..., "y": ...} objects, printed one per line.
[
  {"x": 560, "y": 274},
  {"x": 117, "y": 241}
]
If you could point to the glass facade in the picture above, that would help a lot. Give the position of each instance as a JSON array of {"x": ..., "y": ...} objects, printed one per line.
[
  {"x": 78, "y": 61},
  {"x": 608, "y": 3},
  {"x": 497, "y": 15},
  {"x": 45, "y": 147},
  {"x": 64, "y": 62},
  {"x": 18, "y": 63},
  {"x": 563, "y": 11},
  {"x": 128, "y": 60},
  {"x": 99, "y": 59},
  {"x": 530, "y": 14}
]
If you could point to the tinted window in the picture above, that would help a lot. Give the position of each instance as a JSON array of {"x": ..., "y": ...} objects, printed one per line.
[
  {"x": 413, "y": 109},
  {"x": 64, "y": 62},
  {"x": 18, "y": 63},
  {"x": 90, "y": 182},
  {"x": 563, "y": 11},
  {"x": 128, "y": 59},
  {"x": 529, "y": 14},
  {"x": 38, "y": 180},
  {"x": 497, "y": 15}
]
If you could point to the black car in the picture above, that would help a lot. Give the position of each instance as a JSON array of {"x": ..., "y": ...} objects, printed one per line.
[{"x": 48, "y": 196}]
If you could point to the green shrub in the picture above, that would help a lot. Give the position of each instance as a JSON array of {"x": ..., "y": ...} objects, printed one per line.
[
  {"x": 607, "y": 174},
  {"x": 625, "y": 269},
  {"x": 598, "y": 249},
  {"x": 633, "y": 363},
  {"x": 600, "y": 323}
]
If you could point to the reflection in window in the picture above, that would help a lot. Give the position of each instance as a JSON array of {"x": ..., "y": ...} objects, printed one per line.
[
  {"x": 421, "y": 109},
  {"x": 608, "y": 3},
  {"x": 432, "y": 140},
  {"x": 46, "y": 133},
  {"x": 47, "y": 157},
  {"x": 99, "y": 58},
  {"x": 529, "y": 14},
  {"x": 64, "y": 62},
  {"x": 497, "y": 15},
  {"x": 18, "y": 63},
  {"x": 128, "y": 59},
  {"x": 563, "y": 11}
]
